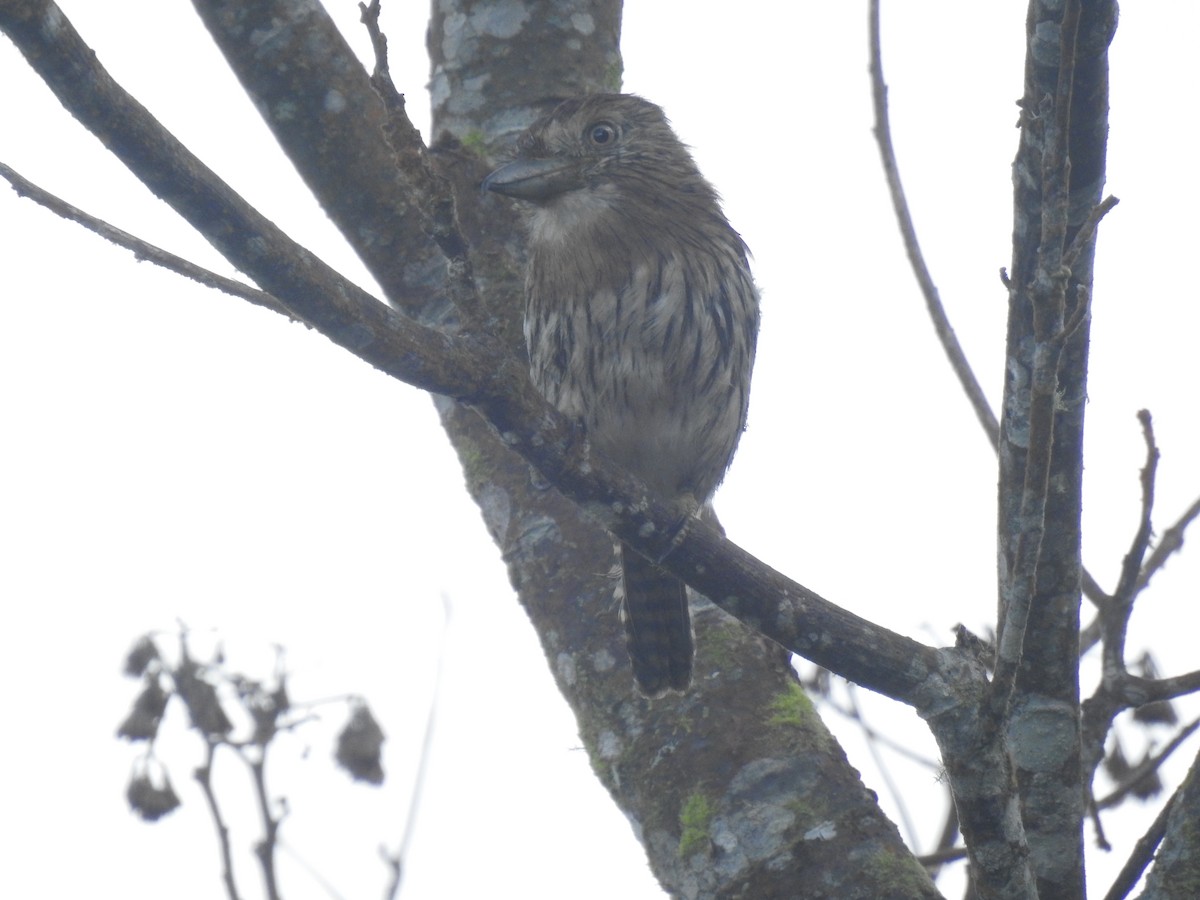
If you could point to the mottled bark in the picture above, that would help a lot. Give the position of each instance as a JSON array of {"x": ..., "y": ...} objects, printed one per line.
[
  {"x": 735, "y": 789},
  {"x": 1065, "y": 107}
]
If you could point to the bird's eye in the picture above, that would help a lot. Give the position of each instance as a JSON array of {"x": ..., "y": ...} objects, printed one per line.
[{"x": 601, "y": 133}]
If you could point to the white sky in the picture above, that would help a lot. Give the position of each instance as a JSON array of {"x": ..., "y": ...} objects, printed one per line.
[{"x": 170, "y": 453}]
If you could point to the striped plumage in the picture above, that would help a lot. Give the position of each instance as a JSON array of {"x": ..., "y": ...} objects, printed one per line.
[{"x": 641, "y": 319}]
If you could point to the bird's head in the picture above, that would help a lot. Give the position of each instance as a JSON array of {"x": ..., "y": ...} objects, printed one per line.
[{"x": 614, "y": 148}]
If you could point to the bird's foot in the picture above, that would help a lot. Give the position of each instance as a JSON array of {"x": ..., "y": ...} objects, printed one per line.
[{"x": 692, "y": 511}]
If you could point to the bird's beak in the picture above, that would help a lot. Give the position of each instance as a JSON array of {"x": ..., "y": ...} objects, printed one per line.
[{"x": 536, "y": 180}]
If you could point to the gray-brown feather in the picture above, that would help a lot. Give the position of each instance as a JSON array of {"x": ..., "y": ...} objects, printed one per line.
[{"x": 641, "y": 321}]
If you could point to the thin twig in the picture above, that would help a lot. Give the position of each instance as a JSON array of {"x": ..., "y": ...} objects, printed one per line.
[
  {"x": 1148, "y": 765},
  {"x": 1092, "y": 589},
  {"x": 324, "y": 883},
  {"x": 910, "y": 829},
  {"x": 1090, "y": 634},
  {"x": 369, "y": 16},
  {"x": 312, "y": 290},
  {"x": 1143, "y": 852},
  {"x": 1094, "y": 814},
  {"x": 1132, "y": 564},
  {"x": 1120, "y": 690},
  {"x": 883, "y": 739},
  {"x": 1170, "y": 542},
  {"x": 933, "y": 302},
  {"x": 395, "y": 860},
  {"x": 942, "y": 856},
  {"x": 477, "y": 369},
  {"x": 433, "y": 193},
  {"x": 141, "y": 249},
  {"x": 1159, "y": 689},
  {"x": 265, "y": 848},
  {"x": 203, "y": 775},
  {"x": 1116, "y": 615},
  {"x": 1086, "y": 231},
  {"x": 947, "y": 848}
]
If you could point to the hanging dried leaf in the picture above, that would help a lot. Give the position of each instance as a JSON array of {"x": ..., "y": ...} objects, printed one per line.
[
  {"x": 143, "y": 720},
  {"x": 359, "y": 746}
]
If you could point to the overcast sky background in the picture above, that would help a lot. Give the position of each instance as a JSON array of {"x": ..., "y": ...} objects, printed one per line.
[{"x": 170, "y": 453}]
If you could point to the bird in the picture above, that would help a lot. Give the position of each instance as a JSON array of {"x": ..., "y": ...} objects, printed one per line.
[{"x": 641, "y": 323}]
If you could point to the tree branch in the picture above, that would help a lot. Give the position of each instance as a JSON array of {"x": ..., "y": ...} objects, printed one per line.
[
  {"x": 311, "y": 290},
  {"x": 474, "y": 364},
  {"x": 1177, "y": 860},
  {"x": 933, "y": 301},
  {"x": 477, "y": 370},
  {"x": 1119, "y": 689},
  {"x": 553, "y": 554},
  {"x": 1057, "y": 176},
  {"x": 1142, "y": 853},
  {"x": 265, "y": 848},
  {"x": 1152, "y": 763},
  {"x": 1050, "y": 332},
  {"x": 1117, "y": 612},
  {"x": 143, "y": 250},
  {"x": 432, "y": 191},
  {"x": 395, "y": 861},
  {"x": 1170, "y": 542},
  {"x": 203, "y": 776},
  {"x": 946, "y": 686}
]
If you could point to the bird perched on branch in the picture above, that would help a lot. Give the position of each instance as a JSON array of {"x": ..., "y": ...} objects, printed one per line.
[{"x": 641, "y": 320}]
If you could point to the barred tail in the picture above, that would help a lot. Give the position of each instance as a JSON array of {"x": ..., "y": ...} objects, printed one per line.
[{"x": 658, "y": 626}]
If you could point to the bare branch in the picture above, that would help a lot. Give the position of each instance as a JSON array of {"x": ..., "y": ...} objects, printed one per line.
[
  {"x": 395, "y": 861},
  {"x": 874, "y": 735},
  {"x": 318, "y": 877},
  {"x": 933, "y": 302},
  {"x": 1139, "y": 691},
  {"x": 1097, "y": 823},
  {"x": 1092, "y": 589},
  {"x": 434, "y": 195},
  {"x": 1148, "y": 765},
  {"x": 906, "y": 819},
  {"x": 142, "y": 249},
  {"x": 1119, "y": 689},
  {"x": 1051, "y": 333},
  {"x": 943, "y": 855},
  {"x": 1059, "y": 167},
  {"x": 1132, "y": 565},
  {"x": 1115, "y": 614},
  {"x": 947, "y": 848},
  {"x": 1034, "y": 494},
  {"x": 1091, "y": 633},
  {"x": 477, "y": 370},
  {"x": 1143, "y": 852},
  {"x": 267, "y": 845},
  {"x": 1137, "y": 570},
  {"x": 203, "y": 776},
  {"x": 369, "y": 16},
  {"x": 937, "y": 312},
  {"x": 1171, "y": 542},
  {"x": 1087, "y": 230},
  {"x": 311, "y": 290},
  {"x": 1174, "y": 870}
]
